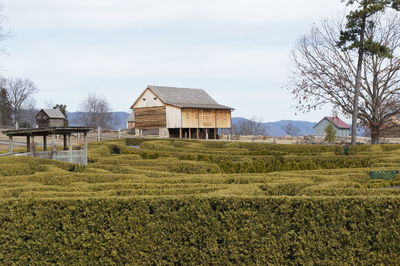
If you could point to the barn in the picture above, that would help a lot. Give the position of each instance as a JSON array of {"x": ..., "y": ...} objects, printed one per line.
[
  {"x": 50, "y": 118},
  {"x": 172, "y": 112},
  {"x": 341, "y": 127}
]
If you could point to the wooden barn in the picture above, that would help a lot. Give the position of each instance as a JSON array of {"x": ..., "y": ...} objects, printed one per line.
[
  {"x": 50, "y": 118},
  {"x": 180, "y": 113}
]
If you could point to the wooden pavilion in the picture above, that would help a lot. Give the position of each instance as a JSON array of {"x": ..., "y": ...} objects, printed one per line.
[{"x": 66, "y": 155}]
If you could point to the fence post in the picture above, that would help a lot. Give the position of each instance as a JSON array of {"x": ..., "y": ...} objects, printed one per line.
[
  {"x": 119, "y": 134},
  {"x": 98, "y": 134},
  {"x": 85, "y": 147},
  {"x": 10, "y": 144}
]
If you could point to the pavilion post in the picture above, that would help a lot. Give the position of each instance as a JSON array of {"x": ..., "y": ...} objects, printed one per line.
[
  {"x": 10, "y": 144},
  {"x": 45, "y": 142},
  {"x": 65, "y": 141},
  {"x": 85, "y": 147},
  {"x": 69, "y": 142},
  {"x": 33, "y": 144},
  {"x": 28, "y": 143},
  {"x": 70, "y": 148}
]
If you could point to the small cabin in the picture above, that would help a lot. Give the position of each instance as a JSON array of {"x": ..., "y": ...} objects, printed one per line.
[
  {"x": 50, "y": 118},
  {"x": 171, "y": 112},
  {"x": 341, "y": 127}
]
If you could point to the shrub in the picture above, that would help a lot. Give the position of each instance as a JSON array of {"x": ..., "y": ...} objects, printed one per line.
[{"x": 194, "y": 231}]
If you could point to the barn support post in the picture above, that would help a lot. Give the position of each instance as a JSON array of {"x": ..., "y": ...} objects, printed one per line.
[
  {"x": 198, "y": 133},
  {"x": 180, "y": 132},
  {"x": 10, "y": 144},
  {"x": 190, "y": 133},
  {"x": 28, "y": 143},
  {"x": 65, "y": 141},
  {"x": 206, "y": 133},
  {"x": 85, "y": 147},
  {"x": 215, "y": 133},
  {"x": 45, "y": 142}
]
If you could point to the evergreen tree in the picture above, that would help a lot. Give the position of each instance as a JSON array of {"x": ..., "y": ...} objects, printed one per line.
[
  {"x": 62, "y": 108},
  {"x": 330, "y": 133},
  {"x": 5, "y": 109},
  {"x": 354, "y": 38}
]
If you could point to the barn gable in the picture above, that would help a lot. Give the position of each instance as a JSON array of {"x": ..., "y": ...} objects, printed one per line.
[{"x": 180, "y": 97}]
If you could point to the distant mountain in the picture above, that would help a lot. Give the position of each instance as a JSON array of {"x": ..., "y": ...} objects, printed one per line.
[
  {"x": 119, "y": 119},
  {"x": 274, "y": 129}
]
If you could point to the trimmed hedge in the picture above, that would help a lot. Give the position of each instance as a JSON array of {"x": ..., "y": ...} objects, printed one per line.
[{"x": 194, "y": 231}]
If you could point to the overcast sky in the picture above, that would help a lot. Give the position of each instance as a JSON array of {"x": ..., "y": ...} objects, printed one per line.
[{"x": 237, "y": 50}]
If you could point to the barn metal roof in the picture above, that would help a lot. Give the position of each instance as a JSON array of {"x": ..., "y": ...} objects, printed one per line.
[
  {"x": 186, "y": 97},
  {"x": 53, "y": 113}
]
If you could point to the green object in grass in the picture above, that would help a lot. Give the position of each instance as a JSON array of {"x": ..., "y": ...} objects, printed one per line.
[
  {"x": 387, "y": 175},
  {"x": 346, "y": 150}
]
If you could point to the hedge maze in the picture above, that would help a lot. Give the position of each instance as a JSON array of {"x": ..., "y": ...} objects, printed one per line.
[{"x": 143, "y": 201}]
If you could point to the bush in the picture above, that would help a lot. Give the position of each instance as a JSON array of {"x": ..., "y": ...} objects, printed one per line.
[{"x": 194, "y": 231}]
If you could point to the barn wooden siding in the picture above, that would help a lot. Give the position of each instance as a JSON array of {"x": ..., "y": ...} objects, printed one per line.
[
  {"x": 205, "y": 118},
  {"x": 153, "y": 117}
]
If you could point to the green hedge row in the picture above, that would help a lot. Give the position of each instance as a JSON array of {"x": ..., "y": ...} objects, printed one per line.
[{"x": 193, "y": 231}]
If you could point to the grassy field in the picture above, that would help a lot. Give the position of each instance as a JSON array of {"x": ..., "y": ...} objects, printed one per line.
[{"x": 202, "y": 202}]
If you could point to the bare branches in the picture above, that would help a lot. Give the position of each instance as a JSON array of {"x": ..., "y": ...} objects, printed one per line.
[
  {"x": 251, "y": 127},
  {"x": 324, "y": 74},
  {"x": 95, "y": 112},
  {"x": 290, "y": 129},
  {"x": 20, "y": 96}
]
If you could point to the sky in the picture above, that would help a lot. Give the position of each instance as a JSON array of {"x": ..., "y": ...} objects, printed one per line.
[{"x": 237, "y": 50}]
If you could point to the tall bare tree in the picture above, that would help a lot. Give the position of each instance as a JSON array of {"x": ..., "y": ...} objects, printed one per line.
[
  {"x": 95, "y": 112},
  {"x": 324, "y": 74},
  {"x": 251, "y": 127},
  {"x": 290, "y": 129},
  {"x": 20, "y": 95},
  {"x": 354, "y": 37}
]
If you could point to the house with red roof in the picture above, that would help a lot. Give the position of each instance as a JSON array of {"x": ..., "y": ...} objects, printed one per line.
[{"x": 342, "y": 128}]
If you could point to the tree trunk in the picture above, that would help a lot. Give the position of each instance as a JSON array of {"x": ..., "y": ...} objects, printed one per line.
[
  {"x": 375, "y": 134},
  {"x": 358, "y": 83}
]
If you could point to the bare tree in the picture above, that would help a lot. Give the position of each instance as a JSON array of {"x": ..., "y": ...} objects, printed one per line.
[
  {"x": 27, "y": 117},
  {"x": 324, "y": 74},
  {"x": 251, "y": 127},
  {"x": 20, "y": 95},
  {"x": 290, "y": 129},
  {"x": 95, "y": 112}
]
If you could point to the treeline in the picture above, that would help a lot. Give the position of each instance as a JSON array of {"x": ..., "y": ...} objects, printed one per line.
[{"x": 17, "y": 105}]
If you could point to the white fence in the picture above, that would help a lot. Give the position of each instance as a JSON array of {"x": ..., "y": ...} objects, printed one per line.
[{"x": 76, "y": 156}]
